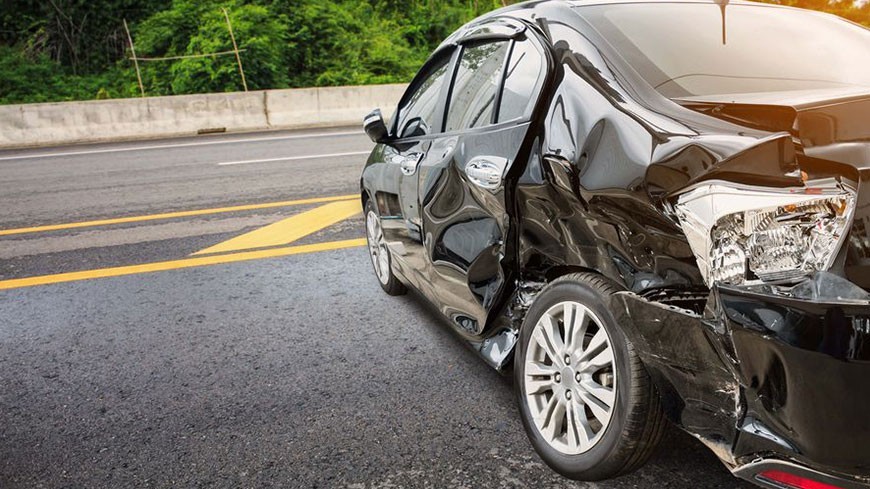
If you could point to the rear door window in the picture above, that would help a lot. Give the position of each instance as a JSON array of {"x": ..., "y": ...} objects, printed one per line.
[
  {"x": 476, "y": 85},
  {"x": 525, "y": 75}
]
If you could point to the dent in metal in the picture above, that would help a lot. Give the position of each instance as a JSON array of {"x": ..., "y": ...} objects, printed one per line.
[{"x": 497, "y": 350}]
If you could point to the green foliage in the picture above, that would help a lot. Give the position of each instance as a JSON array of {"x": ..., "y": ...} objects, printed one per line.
[
  {"x": 39, "y": 79},
  {"x": 85, "y": 36},
  {"x": 346, "y": 43},
  {"x": 199, "y": 27},
  {"x": 54, "y": 50},
  {"x": 296, "y": 43}
]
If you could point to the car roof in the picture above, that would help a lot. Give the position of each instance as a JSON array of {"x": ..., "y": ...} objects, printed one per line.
[
  {"x": 518, "y": 10},
  {"x": 522, "y": 10},
  {"x": 584, "y": 3}
]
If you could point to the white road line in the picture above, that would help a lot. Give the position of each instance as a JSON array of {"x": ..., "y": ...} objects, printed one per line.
[
  {"x": 293, "y": 158},
  {"x": 180, "y": 145}
]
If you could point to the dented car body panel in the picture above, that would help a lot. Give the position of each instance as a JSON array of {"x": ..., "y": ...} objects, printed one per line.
[{"x": 590, "y": 180}]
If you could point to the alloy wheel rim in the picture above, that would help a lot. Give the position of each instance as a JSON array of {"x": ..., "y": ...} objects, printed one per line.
[
  {"x": 570, "y": 378},
  {"x": 378, "y": 247}
]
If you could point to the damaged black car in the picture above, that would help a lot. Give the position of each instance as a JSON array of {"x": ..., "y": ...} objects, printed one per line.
[{"x": 647, "y": 212}]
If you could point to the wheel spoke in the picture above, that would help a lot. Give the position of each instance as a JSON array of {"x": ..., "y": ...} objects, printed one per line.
[
  {"x": 370, "y": 225},
  {"x": 574, "y": 318},
  {"x": 553, "y": 334},
  {"x": 603, "y": 394},
  {"x": 539, "y": 378},
  {"x": 548, "y": 338},
  {"x": 537, "y": 386},
  {"x": 603, "y": 359},
  {"x": 579, "y": 431},
  {"x": 599, "y": 399},
  {"x": 595, "y": 344},
  {"x": 573, "y": 436},
  {"x": 553, "y": 417},
  {"x": 538, "y": 369}
]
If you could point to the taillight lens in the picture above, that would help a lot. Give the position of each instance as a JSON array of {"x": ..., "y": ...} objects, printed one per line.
[
  {"x": 747, "y": 235},
  {"x": 793, "y": 481}
]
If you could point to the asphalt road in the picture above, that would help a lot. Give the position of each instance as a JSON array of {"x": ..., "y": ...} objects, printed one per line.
[{"x": 285, "y": 366}]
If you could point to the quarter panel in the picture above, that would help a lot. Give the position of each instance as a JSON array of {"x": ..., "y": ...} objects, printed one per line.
[{"x": 583, "y": 202}]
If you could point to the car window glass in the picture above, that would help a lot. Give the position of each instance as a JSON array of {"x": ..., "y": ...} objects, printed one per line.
[
  {"x": 525, "y": 70},
  {"x": 476, "y": 85},
  {"x": 420, "y": 112}
]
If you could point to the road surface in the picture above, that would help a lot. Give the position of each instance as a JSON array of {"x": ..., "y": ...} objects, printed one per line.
[{"x": 200, "y": 313}]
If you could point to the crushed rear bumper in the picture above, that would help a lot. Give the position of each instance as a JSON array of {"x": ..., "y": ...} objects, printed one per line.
[
  {"x": 765, "y": 380},
  {"x": 804, "y": 371}
]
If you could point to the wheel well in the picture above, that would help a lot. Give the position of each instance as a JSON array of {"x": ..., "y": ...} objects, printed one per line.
[
  {"x": 557, "y": 272},
  {"x": 531, "y": 287}
]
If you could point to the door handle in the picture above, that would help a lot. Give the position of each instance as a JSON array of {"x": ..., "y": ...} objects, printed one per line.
[
  {"x": 486, "y": 172},
  {"x": 410, "y": 163}
]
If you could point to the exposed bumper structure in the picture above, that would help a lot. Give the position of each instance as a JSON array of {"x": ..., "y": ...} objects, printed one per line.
[
  {"x": 769, "y": 382},
  {"x": 804, "y": 369}
]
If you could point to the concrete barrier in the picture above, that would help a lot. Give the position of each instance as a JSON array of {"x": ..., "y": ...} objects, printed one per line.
[{"x": 159, "y": 117}]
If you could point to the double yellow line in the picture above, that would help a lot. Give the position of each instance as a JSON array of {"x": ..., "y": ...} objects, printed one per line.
[
  {"x": 173, "y": 215},
  {"x": 243, "y": 248}
]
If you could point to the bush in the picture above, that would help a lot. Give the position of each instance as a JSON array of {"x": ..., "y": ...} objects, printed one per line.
[{"x": 39, "y": 79}]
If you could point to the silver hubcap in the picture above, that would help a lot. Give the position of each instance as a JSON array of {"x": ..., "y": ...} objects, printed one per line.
[
  {"x": 570, "y": 378},
  {"x": 378, "y": 247}
]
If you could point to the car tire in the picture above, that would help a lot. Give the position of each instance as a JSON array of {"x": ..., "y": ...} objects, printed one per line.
[
  {"x": 635, "y": 422},
  {"x": 379, "y": 252}
]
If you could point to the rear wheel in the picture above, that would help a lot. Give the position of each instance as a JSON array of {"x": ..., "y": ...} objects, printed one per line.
[
  {"x": 587, "y": 402},
  {"x": 380, "y": 253}
]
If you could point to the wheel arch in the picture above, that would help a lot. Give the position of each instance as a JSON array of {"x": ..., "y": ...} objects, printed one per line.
[{"x": 557, "y": 272}]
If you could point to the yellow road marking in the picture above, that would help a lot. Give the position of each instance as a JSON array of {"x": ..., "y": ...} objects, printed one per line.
[
  {"x": 174, "y": 215},
  {"x": 289, "y": 230},
  {"x": 179, "y": 264}
]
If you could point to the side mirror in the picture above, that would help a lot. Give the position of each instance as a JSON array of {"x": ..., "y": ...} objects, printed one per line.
[{"x": 375, "y": 126}]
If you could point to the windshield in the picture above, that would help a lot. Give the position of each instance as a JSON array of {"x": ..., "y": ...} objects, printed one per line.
[{"x": 685, "y": 50}]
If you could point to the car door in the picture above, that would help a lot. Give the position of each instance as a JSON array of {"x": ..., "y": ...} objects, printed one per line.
[
  {"x": 417, "y": 123},
  {"x": 462, "y": 197}
]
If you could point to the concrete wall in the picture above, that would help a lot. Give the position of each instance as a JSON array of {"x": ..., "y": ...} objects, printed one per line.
[{"x": 157, "y": 117}]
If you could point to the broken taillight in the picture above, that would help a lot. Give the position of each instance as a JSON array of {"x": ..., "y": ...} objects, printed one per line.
[
  {"x": 792, "y": 481},
  {"x": 744, "y": 235}
]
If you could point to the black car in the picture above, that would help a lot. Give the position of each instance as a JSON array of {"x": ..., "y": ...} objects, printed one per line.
[{"x": 647, "y": 211}]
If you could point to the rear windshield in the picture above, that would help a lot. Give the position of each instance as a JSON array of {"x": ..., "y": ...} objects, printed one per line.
[{"x": 685, "y": 50}]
